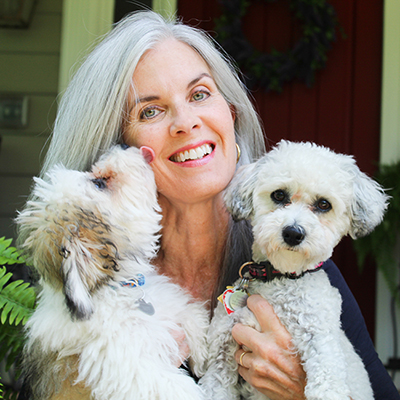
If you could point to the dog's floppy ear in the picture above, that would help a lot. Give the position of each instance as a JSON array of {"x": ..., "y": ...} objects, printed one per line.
[
  {"x": 368, "y": 205},
  {"x": 76, "y": 287},
  {"x": 239, "y": 193}
]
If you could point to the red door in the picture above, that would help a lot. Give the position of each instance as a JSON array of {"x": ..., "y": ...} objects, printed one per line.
[{"x": 341, "y": 110}]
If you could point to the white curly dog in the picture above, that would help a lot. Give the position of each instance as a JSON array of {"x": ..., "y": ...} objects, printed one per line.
[
  {"x": 301, "y": 199},
  {"x": 105, "y": 321}
]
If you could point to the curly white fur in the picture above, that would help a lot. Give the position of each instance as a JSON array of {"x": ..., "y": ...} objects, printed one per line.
[
  {"x": 301, "y": 199},
  {"x": 86, "y": 233}
]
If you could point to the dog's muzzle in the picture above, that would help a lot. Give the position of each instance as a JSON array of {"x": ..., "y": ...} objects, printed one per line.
[{"x": 293, "y": 235}]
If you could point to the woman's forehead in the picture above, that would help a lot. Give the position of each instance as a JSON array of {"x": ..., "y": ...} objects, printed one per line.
[
  {"x": 170, "y": 65},
  {"x": 171, "y": 53}
]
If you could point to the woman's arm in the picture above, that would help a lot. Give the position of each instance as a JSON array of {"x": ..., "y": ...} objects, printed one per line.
[{"x": 354, "y": 326}]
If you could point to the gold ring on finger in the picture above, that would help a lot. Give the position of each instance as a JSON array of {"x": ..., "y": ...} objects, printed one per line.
[{"x": 241, "y": 357}]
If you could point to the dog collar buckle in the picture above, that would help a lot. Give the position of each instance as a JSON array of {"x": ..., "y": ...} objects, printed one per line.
[{"x": 263, "y": 271}]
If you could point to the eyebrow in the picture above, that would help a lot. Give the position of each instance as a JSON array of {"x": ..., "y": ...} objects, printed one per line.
[
  {"x": 146, "y": 99},
  {"x": 199, "y": 78},
  {"x": 190, "y": 84}
]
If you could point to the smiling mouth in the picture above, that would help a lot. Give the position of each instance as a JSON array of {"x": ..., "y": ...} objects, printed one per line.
[{"x": 193, "y": 154}]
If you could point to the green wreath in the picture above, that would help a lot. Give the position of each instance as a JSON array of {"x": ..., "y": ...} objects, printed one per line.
[{"x": 271, "y": 70}]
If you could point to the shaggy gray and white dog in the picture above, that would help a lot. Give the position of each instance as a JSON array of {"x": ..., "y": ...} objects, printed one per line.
[
  {"x": 105, "y": 320},
  {"x": 301, "y": 199}
]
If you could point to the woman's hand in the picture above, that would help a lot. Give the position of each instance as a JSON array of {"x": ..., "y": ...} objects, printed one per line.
[{"x": 271, "y": 367}]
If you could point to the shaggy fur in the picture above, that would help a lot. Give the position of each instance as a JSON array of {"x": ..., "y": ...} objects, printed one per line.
[
  {"x": 301, "y": 199},
  {"x": 87, "y": 234}
]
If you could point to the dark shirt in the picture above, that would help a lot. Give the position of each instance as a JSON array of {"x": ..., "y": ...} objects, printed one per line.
[{"x": 354, "y": 326}]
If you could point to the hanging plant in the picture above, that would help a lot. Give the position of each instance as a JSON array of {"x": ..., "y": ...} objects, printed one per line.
[
  {"x": 384, "y": 241},
  {"x": 271, "y": 70}
]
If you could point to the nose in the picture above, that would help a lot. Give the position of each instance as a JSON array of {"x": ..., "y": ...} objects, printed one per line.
[
  {"x": 184, "y": 120},
  {"x": 293, "y": 235}
]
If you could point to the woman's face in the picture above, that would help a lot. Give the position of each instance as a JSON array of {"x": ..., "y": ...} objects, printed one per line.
[{"x": 178, "y": 112}]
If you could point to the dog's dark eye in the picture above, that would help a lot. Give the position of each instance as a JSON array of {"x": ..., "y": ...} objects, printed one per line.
[
  {"x": 100, "y": 183},
  {"x": 280, "y": 196},
  {"x": 323, "y": 205}
]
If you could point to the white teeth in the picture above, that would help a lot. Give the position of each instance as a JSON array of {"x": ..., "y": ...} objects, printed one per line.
[
  {"x": 192, "y": 154},
  {"x": 199, "y": 152}
]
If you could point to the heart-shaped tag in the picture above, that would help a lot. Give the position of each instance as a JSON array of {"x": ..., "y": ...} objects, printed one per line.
[{"x": 145, "y": 307}]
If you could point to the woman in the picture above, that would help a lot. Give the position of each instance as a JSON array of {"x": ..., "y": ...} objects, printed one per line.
[{"x": 165, "y": 88}]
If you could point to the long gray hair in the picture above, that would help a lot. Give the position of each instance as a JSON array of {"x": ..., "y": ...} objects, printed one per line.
[{"x": 93, "y": 108}]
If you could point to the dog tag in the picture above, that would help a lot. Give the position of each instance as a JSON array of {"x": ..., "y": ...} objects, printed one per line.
[
  {"x": 234, "y": 298},
  {"x": 224, "y": 299},
  {"x": 238, "y": 299},
  {"x": 145, "y": 307}
]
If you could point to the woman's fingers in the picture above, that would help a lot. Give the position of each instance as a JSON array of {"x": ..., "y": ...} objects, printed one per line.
[
  {"x": 271, "y": 366},
  {"x": 268, "y": 320}
]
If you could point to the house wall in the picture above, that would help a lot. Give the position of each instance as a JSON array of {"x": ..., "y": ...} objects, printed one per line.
[
  {"x": 389, "y": 153},
  {"x": 83, "y": 24},
  {"x": 29, "y": 64}
]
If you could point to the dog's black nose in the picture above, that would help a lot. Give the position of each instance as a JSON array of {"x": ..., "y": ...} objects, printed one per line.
[{"x": 293, "y": 235}]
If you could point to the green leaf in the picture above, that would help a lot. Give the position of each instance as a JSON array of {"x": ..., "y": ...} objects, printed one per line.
[
  {"x": 17, "y": 300},
  {"x": 9, "y": 255}
]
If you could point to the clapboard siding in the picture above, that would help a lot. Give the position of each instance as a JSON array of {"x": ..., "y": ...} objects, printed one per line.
[
  {"x": 29, "y": 66},
  {"x": 16, "y": 190},
  {"x": 28, "y": 151},
  {"x": 13, "y": 195},
  {"x": 42, "y": 110},
  {"x": 7, "y": 227},
  {"x": 29, "y": 73},
  {"x": 43, "y": 36},
  {"x": 48, "y": 6}
]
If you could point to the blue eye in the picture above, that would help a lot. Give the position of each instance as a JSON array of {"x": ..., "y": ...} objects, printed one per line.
[
  {"x": 200, "y": 95},
  {"x": 149, "y": 113},
  {"x": 100, "y": 183}
]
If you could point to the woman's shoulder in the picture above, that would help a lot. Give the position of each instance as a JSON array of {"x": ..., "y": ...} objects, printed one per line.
[{"x": 337, "y": 280}]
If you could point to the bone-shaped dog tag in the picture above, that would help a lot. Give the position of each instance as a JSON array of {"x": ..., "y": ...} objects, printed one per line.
[{"x": 145, "y": 307}]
